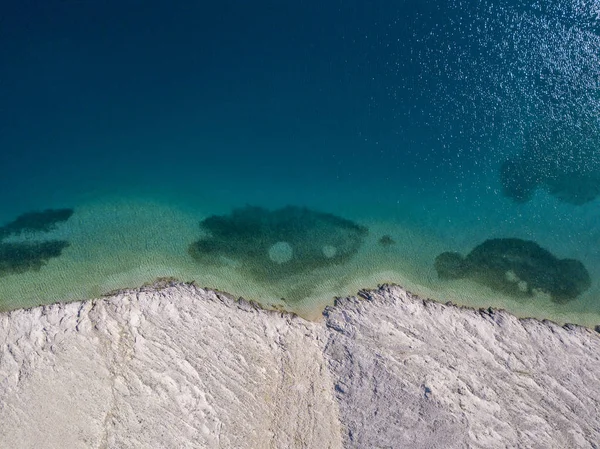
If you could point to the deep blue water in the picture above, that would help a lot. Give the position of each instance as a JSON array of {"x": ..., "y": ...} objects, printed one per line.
[
  {"x": 397, "y": 112},
  {"x": 281, "y": 88}
]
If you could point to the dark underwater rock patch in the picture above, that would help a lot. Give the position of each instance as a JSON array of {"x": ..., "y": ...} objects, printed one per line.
[
  {"x": 519, "y": 182},
  {"x": 271, "y": 245},
  {"x": 19, "y": 257},
  {"x": 517, "y": 268},
  {"x": 561, "y": 156},
  {"x": 386, "y": 241},
  {"x": 39, "y": 221}
]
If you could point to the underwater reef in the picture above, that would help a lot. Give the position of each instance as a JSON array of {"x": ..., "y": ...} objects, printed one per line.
[
  {"x": 42, "y": 221},
  {"x": 271, "y": 245},
  {"x": 19, "y": 257},
  {"x": 559, "y": 156},
  {"x": 517, "y": 268},
  {"x": 386, "y": 241}
]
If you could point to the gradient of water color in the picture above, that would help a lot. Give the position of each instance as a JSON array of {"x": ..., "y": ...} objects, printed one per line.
[{"x": 146, "y": 118}]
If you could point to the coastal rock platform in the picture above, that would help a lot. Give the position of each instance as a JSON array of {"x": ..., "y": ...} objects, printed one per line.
[{"x": 177, "y": 366}]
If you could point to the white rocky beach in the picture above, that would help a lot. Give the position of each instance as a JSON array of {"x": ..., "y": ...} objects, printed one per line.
[{"x": 177, "y": 366}]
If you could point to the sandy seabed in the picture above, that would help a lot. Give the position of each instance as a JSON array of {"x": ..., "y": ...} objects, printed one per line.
[{"x": 126, "y": 243}]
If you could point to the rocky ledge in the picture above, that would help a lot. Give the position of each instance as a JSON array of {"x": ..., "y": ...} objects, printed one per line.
[{"x": 179, "y": 367}]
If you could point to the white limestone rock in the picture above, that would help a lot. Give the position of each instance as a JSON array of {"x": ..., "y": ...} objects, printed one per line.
[
  {"x": 182, "y": 367},
  {"x": 174, "y": 368},
  {"x": 420, "y": 374}
]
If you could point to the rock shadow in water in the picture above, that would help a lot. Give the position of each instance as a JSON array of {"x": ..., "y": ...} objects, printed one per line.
[
  {"x": 517, "y": 268},
  {"x": 19, "y": 257},
  {"x": 272, "y": 245},
  {"x": 386, "y": 241},
  {"x": 43, "y": 221},
  {"x": 560, "y": 156}
]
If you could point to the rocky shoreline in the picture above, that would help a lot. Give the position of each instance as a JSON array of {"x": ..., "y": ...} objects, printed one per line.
[{"x": 178, "y": 366}]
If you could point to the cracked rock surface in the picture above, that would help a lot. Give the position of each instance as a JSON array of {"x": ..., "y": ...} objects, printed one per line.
[
  {"x": 173, "y": 368},
  {"x": 420, "y": 374},
  {"x": 183, "y": 367}
]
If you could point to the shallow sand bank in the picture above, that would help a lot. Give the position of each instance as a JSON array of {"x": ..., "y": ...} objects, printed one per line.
[
  {"x": 179, "y": 366},
  {"x": 127, "y": 242}
]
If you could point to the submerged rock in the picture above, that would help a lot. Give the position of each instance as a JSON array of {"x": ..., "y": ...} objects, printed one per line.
[
  {"x": 20, "y": 257},
  {"x": 43, "y": 221},
  {"x": 561, "y": 156},
  {"x": 519, "y": 181},
  {"x": 386, "y": 241},
  {"x": 271, "y": 245},
  {"x": 517, "y": 268}
]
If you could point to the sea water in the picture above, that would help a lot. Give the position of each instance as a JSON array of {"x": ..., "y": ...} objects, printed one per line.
[{"x": 147, "y": 118}]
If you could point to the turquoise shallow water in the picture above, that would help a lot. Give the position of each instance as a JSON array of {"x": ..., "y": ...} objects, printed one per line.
[{"x": 436, "y": 132}]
